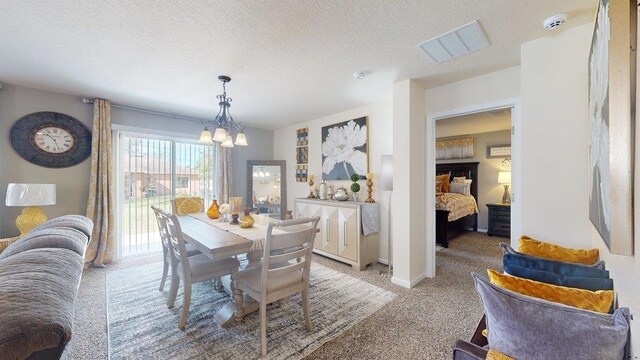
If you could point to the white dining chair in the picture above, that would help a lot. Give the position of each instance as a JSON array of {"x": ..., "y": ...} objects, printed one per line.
[
  {"x": 284, "y": 272},
  {"x": 164, "y": 239},
  {"x": 191, "y": 269}
]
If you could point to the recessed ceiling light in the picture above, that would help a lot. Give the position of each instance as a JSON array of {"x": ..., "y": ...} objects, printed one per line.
[
  {"x": 554, "y": 21},
  {"x": 359, "y": 75}
]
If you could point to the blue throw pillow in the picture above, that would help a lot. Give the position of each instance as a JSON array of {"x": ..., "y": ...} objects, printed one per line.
[
  {"x": 557, "y": 267},
  {"x": 579, "y": 282},
  {"x": 506, "y": 249}
]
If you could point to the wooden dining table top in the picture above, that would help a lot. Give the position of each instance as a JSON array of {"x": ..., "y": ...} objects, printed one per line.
[{"x": 212, "y": 241}]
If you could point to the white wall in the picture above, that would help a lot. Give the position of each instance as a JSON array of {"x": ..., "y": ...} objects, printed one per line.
[
  {"x": 379, "y": 122},
  {"x": 72, "y": 183},
  {"x": 555, "y": 133}
]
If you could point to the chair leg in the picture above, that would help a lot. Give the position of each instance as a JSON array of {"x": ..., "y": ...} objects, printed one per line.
[
  {"x": 306, "y": 309},
  {"x": 185, "y": 306},
  {"x": 165, "y": 270},
  {"x": 263, "y": 327},
  {"x": 173, "y": 290}
]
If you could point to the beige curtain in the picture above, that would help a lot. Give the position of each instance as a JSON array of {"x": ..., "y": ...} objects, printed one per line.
[
  {"x": 223, "y": 174},
  {"x": 100, "y": 207}
]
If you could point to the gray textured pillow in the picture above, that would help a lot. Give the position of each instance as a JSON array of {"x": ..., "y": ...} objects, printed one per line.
[
  {"x": 460, "y": 188},
  {"x": 507, "y": 249},
  {"x": 524, "y": 327}
]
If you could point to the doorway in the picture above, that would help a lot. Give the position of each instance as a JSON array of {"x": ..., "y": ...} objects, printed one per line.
[{"x": 509, "y": 107}]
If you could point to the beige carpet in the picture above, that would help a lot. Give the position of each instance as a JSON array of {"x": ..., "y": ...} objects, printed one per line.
[{"x": 421, "y": 323}]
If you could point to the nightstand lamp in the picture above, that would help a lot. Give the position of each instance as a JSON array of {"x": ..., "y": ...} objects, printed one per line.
[
  {"x": 504, "y": 178},
  {"x": 30, "y": 196}
]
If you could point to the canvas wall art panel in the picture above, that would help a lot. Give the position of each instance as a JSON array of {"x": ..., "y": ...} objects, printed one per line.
[
  {"x": 302, "y": 155},
  {"x": 302, "y": 137},
  {"x": 345, "y": 150},
  {"x": 611, "y": 97},
  {"x": 454, "y": 149},
  {"x": 301, "y": 173}
]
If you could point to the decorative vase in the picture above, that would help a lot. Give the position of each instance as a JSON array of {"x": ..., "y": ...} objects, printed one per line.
[
  {"x": 214, "y": 210},
  {"x": 224, "y": 210},
  {"x": 341, "y": 194},
  {"x": 355, "y": 197},
  {"x": 331, "y": 192},
  {"x": 246, "y": 221},
  {"x": 322, "y": 192}
]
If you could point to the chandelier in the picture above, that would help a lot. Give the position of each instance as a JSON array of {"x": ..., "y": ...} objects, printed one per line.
[{"x": 224, "y": 122}]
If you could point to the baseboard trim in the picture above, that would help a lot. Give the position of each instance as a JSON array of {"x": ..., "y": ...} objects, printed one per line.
[
  {"x": 407, "y": 284},
  {"x": 383, "y": 261}
]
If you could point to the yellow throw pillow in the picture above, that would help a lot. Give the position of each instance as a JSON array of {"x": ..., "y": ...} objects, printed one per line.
[
  {"x": 599, "y": 301},
  {"x": 549, "y": 251},
  {"x": 497, "y": 355},
  {"x": 445, "y": 182}
]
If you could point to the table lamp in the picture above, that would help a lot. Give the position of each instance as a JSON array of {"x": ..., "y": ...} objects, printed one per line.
[
  {"x": 504, "y": 178},
  {"x": 30, "y": 196}
]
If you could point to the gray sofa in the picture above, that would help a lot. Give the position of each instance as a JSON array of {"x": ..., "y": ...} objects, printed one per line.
[{"x": 39, "y": 279}]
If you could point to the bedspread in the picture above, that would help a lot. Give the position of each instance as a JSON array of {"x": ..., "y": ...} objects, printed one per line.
[{"x": 458, "y": 205}]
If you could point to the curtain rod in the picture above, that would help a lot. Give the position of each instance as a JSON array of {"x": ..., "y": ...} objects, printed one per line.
[{"x": 152, "y": 112}]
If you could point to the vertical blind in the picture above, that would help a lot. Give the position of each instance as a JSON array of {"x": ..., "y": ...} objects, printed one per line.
[{"x": 152, "y": 171}]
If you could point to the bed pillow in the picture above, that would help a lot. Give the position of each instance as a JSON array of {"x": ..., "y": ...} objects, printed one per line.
[
  {"x": 438, "y": 186},
  {"x": 524, "y": 327},
  {"x": 462, "y": 180},
  {"x": 445, "y": 182},
  {"x": 550, "y": 251},
  {"x": 557, "y": 267},
  {"x": 460, "y": 188},
  {"x": 548, "y": 277},
  {"x": 599, "y": 301},
  {"x": 507, "y": 249}
]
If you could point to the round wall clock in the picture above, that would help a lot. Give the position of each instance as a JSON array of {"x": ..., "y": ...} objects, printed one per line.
[{"x": 51, "y": 139}]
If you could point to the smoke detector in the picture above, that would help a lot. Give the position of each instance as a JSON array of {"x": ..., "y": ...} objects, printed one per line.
[
  {"x": 359, "y": 75},
  {"x": 554, "y": 21}
]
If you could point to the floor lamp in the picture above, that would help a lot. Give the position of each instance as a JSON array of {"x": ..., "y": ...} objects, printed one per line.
[{"x": 386, "y": 184}]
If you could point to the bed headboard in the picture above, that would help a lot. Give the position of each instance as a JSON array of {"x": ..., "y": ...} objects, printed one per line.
[{"x": 466, "y": 169}]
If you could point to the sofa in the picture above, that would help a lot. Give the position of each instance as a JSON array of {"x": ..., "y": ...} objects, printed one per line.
[{"x": 39, "y": 278}]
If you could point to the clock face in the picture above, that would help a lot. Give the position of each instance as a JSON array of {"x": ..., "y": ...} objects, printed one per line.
[{"x": 53, "y": 139}]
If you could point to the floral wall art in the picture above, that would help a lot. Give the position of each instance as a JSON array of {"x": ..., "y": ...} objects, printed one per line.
[
  {"x": 345, "y": 149},
  {"x": 611, "y": 78}
]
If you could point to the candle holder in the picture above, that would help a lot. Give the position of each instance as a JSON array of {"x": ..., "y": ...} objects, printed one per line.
[
  {"x": 369, "y": 177},
  {"x": 234, "y": 219},
  {"x": 311, "y": 195},
  {"x": 236, "y": 205}
]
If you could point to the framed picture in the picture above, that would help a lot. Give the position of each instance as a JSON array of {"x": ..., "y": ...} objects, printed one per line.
[
  {"x": 498, "y": 151},
  {"x": 302, "y": 137},
  {"x": 611, "y": 97},
  {"x": 454, "y": 149},
  {"x": 345, "y": 150},
  {"x": 302, "y": 155}
]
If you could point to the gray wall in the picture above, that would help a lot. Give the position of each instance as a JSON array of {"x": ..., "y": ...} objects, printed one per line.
[
  {"x": 489, "y": 191},
  {"x": 72, "y": 183}
]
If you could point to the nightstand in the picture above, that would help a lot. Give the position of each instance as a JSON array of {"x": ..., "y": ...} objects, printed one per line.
[{"x": 499, "y": 220}]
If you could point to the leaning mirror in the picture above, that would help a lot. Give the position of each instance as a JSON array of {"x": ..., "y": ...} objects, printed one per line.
[{"x": 267, "y": 187}]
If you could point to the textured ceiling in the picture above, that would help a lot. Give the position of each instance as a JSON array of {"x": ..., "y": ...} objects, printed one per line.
[{"x": 290, "y": 60}]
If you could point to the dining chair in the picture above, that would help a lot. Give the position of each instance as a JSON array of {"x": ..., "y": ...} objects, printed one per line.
[
  {"x": 164, "y": 239},
  {"x": 187, "y": 205},
  {"x": 191, "y": 269},
  {"x": 286, "y": 263}
]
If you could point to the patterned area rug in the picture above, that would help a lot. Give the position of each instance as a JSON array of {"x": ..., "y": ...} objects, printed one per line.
[{"x": 142, "y": 327}]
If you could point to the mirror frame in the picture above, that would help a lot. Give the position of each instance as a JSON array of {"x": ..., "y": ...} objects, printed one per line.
[{"x": 283, "y": 182}]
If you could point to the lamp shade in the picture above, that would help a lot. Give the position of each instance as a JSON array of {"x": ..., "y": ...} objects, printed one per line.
[
  {"x": 228, "y": 142},
  {"x": 220, "y": 135},
  {"x": 205, "y": 136},
  {"x": 504, "y": 177},
  {"x": 386, "y": 173},
  {"x": 30, "y": 194},
  {"x": 241, "y": 140}
]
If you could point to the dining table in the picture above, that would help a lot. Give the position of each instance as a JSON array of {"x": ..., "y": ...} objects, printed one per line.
[{"x": 218, "y": 239}]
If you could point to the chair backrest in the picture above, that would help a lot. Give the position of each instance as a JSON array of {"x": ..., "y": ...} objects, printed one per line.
[
  {"x": 295, "y": 243},
  {"x": 187, "y": 205},
  {"x": 177, "y": 243},
  {"x": 162, "y": 228}
]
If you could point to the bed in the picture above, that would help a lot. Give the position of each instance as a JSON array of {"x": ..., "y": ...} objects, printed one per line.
[{"x": 456, "y": 213}]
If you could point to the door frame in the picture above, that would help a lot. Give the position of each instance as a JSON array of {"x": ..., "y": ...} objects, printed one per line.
[{"x": 516, "y": 156}]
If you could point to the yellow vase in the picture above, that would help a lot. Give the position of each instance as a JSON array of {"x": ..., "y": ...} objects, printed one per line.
[
  {"x": 214, "y": 210},
  {"x": 246, "y": 221}
]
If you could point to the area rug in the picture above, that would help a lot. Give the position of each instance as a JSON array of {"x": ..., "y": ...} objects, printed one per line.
[{"x": 142, "y": 327}]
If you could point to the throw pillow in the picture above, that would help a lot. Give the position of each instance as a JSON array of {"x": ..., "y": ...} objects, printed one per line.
[
  {"x": 600, "y": 301},
  {"x": 548, "y": 277},
  {"x": 445, "y": 182},
  {"x": 460, "y": 188},
  {"x": 506, "y": 249},
  {"x": 524, "y": 327},
  {"x": 438, "y": 186},
  {"x": 550, "y": 251},
  {"x": 557, "y": 267},
  {"x": 497, "y": 355}
]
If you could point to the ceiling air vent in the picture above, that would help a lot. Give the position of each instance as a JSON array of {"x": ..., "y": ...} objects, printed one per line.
[{"x": 458, "y": 42}]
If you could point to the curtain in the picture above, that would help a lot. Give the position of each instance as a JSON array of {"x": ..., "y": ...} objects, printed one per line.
[
  {"x": 223, "y": 174},
  {"x": 101, "y": 207}
]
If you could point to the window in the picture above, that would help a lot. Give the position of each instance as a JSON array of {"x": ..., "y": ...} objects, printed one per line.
[{"x": 151, "y": 171}]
